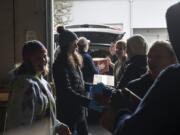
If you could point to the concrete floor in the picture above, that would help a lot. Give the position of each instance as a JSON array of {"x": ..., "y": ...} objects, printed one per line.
[
  {"x": 95, "y": 129},
  {"x": 93, "y": 124}
]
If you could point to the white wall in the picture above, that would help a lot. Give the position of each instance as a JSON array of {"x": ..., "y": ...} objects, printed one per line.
[
  {"x": 145, "y": 13},
  {"x": 150, "y": 13},
  {"x": 101, "y": 12},
  {"x": 153, "y": 34}
]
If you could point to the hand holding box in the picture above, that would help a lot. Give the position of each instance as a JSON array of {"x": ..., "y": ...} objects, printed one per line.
[{"x": 102, "y": 64}]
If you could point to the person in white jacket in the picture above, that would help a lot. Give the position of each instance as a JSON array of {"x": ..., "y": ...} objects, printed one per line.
[{"x": 31, "y": 108}]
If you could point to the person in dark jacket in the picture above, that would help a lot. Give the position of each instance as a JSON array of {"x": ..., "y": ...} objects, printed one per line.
[
  {"x": 160, "y": 56},
  {"x": 89, "y": 68},
  {"x": 136, "y": 64},
  {"x": 70, "y": 91},
  {"x": 158, "y": 112},
  {"x": 112, "y": 56}
]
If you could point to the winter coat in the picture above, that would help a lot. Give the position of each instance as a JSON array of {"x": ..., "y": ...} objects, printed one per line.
[
  {"x": 134, "y": 68},
  {"x": 89, "y": 68},
  {"x": 31, "y": 105},
  {"x": 119, "y": 70},
  {"x": 70, "y": 92},
  {"x": 141, "y": 85},
  {"x": 159, "y": 110}
]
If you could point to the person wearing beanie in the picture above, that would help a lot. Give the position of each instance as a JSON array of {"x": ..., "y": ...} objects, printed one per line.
[
  {"x": 136, "y": 64},
  {"x": 89, "y": 68},
  {"x": 31, "y": 102},
  {"x": 70, "y": 91},
  {"x": 65, "y": 37}
]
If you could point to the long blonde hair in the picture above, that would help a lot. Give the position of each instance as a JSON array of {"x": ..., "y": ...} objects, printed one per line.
[{"x": 75, "y": 59}]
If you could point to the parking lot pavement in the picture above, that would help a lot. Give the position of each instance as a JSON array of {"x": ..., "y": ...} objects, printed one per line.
[{"x": 95, "y": 129}]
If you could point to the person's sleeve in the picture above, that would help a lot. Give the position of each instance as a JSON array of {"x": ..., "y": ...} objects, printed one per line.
[
  {"x": 28, "y": 105},
  {"x": 130, "y": 74},
  {"x": 133, "y": 85},
  {"x": 136, "y": 86},
  {"x": 152, "y": 111},
  {"x": 91, "y": 66},
  {"x": 57, "y": 124},
  {"x": 62, "y": 83}
]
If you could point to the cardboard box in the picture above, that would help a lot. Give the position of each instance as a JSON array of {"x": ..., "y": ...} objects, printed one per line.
[{"x": 102, "y": 64}]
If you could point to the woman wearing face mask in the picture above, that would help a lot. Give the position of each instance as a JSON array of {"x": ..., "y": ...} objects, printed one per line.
[{"x": 31, "y": 108}]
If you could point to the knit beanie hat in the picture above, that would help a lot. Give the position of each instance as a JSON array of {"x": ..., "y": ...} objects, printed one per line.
[
  {"x": 32, "y": 47},
  {"x": 65, "y": 37},
  {"x": 136, "y": 45}
]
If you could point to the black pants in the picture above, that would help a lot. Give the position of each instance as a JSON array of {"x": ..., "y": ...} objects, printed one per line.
[
  {"x": 77, "y": 126},
  {"x": 81, "y": 127}
]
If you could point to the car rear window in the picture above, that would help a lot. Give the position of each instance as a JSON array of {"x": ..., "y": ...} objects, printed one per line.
[{"x": 99, "y": 37}]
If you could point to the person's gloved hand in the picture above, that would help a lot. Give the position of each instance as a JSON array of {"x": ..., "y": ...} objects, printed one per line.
[
  {"x": 88, "y": 86},
  {"x": 124, "y": 99},
  {"x": 95, "y": 106},
  {"x": 100, "y": 88},
  {"x": 101, "y": 93}
]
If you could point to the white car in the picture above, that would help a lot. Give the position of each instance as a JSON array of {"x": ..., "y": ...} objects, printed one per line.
[{"x": 100, "y": 36}]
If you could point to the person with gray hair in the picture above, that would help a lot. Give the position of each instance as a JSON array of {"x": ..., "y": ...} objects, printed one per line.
[
  {"x": 88, "y": 68},
  {"x": 160, "y": 56},
  {"x": 136, "y": 64},
  {"x": 136, "y": 45}
]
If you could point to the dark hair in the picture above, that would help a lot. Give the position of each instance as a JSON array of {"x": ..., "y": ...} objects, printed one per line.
[
  {"x": 29, "y": 48},
  {"x": 26, "y": 68}
]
